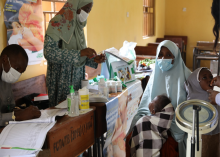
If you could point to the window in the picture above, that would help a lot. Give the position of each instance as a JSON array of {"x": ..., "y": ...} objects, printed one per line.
[
  {"x": 148, "y": 10},
  {"x": 50, "y": 9}
]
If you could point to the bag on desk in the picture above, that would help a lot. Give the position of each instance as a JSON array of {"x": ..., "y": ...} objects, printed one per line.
[
  {"x": 29, "y": 100},
  {"x": 128, "y": 51}
]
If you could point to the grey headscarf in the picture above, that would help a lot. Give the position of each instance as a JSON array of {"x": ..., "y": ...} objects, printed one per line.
[
  {"x": 195, "y": 91},
  {"x": 193, "y": 88}
]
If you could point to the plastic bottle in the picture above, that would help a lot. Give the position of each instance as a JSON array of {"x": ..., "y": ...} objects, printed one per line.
[
  {"x": 119, "y": 86},
  {"x": 72, "y": 103},
  {"x": 83, "y": 98},
  {"x": 101, "y": 85},
  {"x": 108, "y": 86},
  {"x": 114, "y": 87}
]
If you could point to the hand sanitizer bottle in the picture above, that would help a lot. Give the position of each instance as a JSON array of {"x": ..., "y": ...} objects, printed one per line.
[{"x": 72, "y": 103}]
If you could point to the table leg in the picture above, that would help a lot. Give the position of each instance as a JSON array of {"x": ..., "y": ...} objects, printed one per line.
[
  {"x": 94, "y": 150},
  {"x": 94, "y": 146},
  {"x": 98, "y": 142},
  {"x": 102, "y": 138},
  {"x": 89, "y": 151}
]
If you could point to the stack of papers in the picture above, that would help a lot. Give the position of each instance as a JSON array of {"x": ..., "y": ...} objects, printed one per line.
[
  {"x": 97, "y": 98},
  {"x": 28, "y": 134}
]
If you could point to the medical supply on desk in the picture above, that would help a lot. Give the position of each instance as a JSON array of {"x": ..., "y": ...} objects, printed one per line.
[
  {"x": 84, "y": 83},
  {"x": 113, "y": 87},
  {"x": 103, "y": 88},
  {"x": 108, "y": 84},
  {"x": 83, "y": 98},
  {"x": 97, "y": 98},
  {"x": 72, "y": 103},
  {"x": 117, "y": 79},
  {"x": 119, "y": 86},
  {"x": 101, "y": 85}
]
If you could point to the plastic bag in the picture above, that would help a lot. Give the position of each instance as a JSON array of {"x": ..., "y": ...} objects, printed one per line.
[{"x": 128, "y": 51}]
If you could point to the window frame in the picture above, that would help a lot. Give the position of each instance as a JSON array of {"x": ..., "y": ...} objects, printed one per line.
[{"x": 148, "y": 18}]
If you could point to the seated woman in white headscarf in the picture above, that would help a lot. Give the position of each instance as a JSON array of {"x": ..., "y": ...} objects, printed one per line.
[{"x": 168, "y": 78}]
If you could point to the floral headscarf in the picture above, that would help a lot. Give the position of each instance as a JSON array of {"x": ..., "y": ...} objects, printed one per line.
[{"x": 65, "y": 24}]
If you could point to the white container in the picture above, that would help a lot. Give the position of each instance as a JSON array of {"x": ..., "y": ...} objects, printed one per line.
[
  {"x": 102, "y": 85},
  {"x": 108, "y": 84},
  {"x": 106, "y": 92},
  {"x": 83, "y": 98},
  {"x": 85, "y": 83},
  {"x": 119, "y": 86},
  {"x": 72, "y": 103},
  {"x": 113, "y": 87}
]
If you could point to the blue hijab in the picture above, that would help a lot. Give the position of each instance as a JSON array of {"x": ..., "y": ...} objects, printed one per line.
[{"x": 170, "y": 83}]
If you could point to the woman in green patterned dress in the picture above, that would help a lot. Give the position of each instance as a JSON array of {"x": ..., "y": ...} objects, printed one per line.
[{"x": 66, "y": 51}]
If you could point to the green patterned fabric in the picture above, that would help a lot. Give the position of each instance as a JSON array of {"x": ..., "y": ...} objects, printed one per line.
[
  {"x": 63, "y": 70},
  {"x": 66, "y": 27}
]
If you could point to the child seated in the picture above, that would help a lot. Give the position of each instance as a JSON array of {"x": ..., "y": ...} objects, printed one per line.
[
  {"x": 150, "y": 132},
  {"x": 196, "y": 87}
]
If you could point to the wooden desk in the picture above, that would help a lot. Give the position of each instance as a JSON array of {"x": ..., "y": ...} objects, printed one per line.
[{"x": 71, "y": 136}]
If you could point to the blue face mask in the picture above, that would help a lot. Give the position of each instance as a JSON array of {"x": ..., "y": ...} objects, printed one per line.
[{"x": 165, "y": 64}]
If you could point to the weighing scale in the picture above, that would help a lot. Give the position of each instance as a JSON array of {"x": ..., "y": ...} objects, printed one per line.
[{"x": 191, "y": 114}]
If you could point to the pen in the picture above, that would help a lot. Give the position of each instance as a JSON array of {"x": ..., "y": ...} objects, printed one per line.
[{"x": 8, "y": 147}]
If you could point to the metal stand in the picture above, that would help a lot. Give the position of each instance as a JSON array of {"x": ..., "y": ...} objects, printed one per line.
[{"x": 194, "y": 153}]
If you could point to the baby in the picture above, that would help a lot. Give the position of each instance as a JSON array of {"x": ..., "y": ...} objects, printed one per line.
[
  {"x": 158, "y": 103},
  {"x": 17, "y": 37},
  {"x": 150, "y": 132},
  {"x": 17, "y": 33}
]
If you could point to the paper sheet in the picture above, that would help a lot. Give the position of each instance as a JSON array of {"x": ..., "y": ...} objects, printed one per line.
[
  {"x": 47, "y": 116},
  {"x": 25, "y": 135},
  {"x": 62, "y": 105}
]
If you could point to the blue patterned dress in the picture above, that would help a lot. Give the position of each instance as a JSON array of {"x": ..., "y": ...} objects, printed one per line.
[{"x": 63, "y": 70}]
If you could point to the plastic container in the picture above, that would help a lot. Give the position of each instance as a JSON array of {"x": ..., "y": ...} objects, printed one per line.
[
  {"x": 108, "y": 84},
  {"x": 101, "y": 85},
  {"x": 83, "y": 98},
  {"x": 119, "y": 86},
  {"x": 113, "y": 87},
  {"x": 72, "y": 103}
]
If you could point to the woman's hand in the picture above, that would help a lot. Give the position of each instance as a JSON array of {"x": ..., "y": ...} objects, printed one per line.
[
  {"x": 88, "y": 52},
  {"x": 30, "y": 112},
  {"x": 100, "y": 58},
  {"x": 215, "y": 81}
]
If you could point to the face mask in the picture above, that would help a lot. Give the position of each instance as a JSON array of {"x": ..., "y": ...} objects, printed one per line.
[
  {"x": 165, "y": 64},
  {"x": 11, "y": 76},
  {"x": 82, "y": 17}
]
